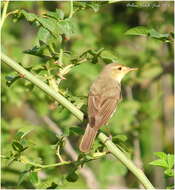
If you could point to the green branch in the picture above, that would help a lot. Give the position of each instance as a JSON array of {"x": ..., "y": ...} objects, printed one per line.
[
  {"x": 4, "y": 13},
  {"x": 26, "y": 161},
  {"x": 71, "y": 9},
  {"x": 103, "y": 138}
]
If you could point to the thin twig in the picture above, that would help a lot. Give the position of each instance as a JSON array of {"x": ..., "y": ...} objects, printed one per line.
[{"x": 25, "y": 160}]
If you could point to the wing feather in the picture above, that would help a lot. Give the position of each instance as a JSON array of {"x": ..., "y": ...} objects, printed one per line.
[{"x": 101, "y": 107}]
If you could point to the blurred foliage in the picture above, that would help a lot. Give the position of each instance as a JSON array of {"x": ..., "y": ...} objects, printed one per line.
[{"x": 67, "y": 52}]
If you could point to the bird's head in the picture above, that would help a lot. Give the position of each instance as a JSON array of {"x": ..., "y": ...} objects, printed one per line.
[{"x": 117, "y": 71}]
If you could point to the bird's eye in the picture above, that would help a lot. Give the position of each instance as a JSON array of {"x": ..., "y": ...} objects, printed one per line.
[{"x": 120, "y": 68}]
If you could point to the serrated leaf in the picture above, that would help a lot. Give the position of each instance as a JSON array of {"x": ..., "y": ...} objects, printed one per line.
[
  {"x": 159, "y": 162},
  {"x": 49, "y": 24},
  {"x": 42, "y": 35},
  {"x": 66, "y": 27},
  {"x": 142, "y": 30},
  {"x": 59, "y": 14},
  {"x": 139, "y": 30},
  {"x": 170, "y": 160},
  {"x": 161, "y": 155},
  {"x": 33, "y": 176},
  {"x": 72, "y": 177},
  {"x": 29, "y": 16}
]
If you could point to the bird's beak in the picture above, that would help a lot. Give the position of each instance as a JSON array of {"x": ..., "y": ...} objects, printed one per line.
[{"x": 132, "y": 69}]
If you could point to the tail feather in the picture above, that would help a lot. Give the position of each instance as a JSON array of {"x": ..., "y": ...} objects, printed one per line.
[{"x": 87, "y": 139}]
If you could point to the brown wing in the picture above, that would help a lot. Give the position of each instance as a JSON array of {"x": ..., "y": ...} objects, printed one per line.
[{"x": 102, "y": 106}]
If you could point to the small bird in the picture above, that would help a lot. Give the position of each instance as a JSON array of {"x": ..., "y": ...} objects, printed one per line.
[{"x": 104, "y": 95}]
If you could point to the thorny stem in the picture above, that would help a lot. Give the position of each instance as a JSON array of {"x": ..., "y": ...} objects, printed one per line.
[
  {"x": 103, "y": 138},
  {"x": 25, "y": 160},
  {"x": 4, "y": 13}
]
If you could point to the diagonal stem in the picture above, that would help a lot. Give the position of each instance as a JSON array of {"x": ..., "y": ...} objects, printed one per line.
[
  {"x": 4, "y": 13},
  {"x": 103, "y": 138}
]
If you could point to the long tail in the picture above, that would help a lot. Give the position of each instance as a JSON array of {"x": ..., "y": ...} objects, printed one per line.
[{"x": 87, "y": 139}]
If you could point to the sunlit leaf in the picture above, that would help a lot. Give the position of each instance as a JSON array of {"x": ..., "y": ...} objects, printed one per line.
[
  {"x": 139, "y": 30},
  {"x": 169, "y": 172},
  {"x": 159, "y": 162}
]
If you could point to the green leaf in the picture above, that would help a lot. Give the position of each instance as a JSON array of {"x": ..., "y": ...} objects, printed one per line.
[
  {"x": 161, "y": 155},
  {"x": 22, "y": 133},
  {"x": 18, "y": 135},
  {"x": 59, "y": 14},
  {"x": 53, "y": 186},
  {"x": 17, "y": 146},
  {"x": 142, "y": 30},
  {"x": 139, "y": 30},
  {"x": 86, "y": 5},
  {"x": 159, "y": 162},
  {"x": 72, "y": 177},
  {"x": 29, "y": 16},
  {"x": 122, "y": 138},
  {"x": 66, "y": 27},
  {"x": 38, "y": 51},
  {"x": 169, "y": 172},
  {"x": 43, "y": 35},
  {"x": 33, "y": 177},
  {"x": 108, "y": 57},
  {"x": 170, "y": 160},
  {"x": 49, "y": 24},
  {"x": 154, "y": 34},
  {"x": 11, "y": 79}
]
